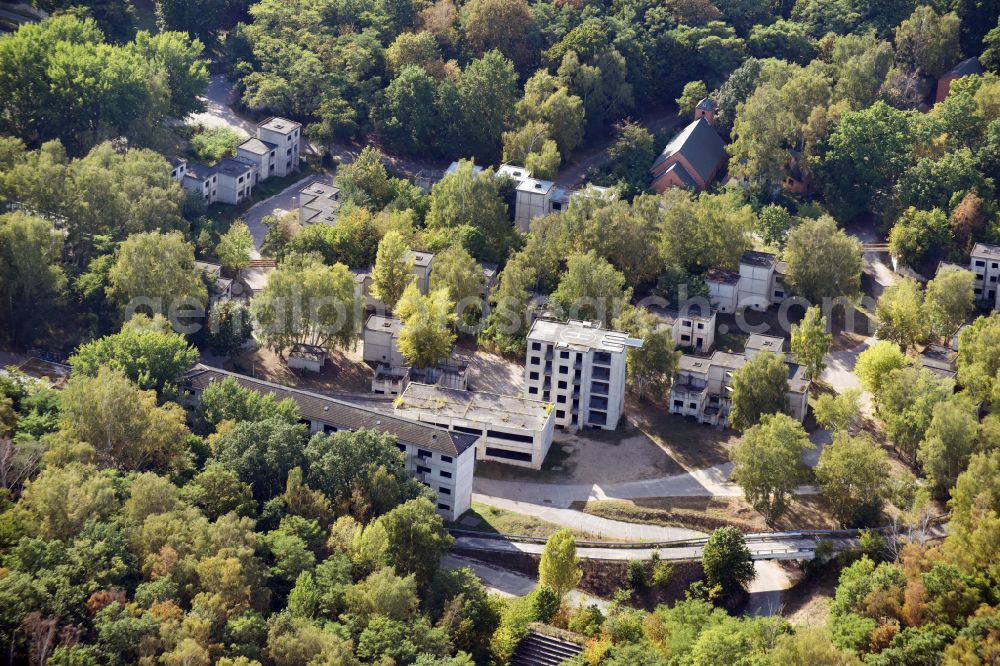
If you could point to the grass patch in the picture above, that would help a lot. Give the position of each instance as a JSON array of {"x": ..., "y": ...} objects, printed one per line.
[
  {"x": 494, "y": 520},
  {"x": 709, "y": 513}
]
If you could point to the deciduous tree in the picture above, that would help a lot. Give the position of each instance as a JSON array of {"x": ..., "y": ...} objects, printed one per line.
[
  {"x": 307, "y": 302},
  {"x": 768, "y": 463},
  {"x": 426, "y": 337},
  {"x": 811, "y": 342},
  {"x": 559, "y": 567},
  {"x": 236, "y": 247},
  {"x": 726, "y": 560},
  {"x": 393, "y": 270},
  {"x": 758, "y": 390},
  {"x": 853, "y": 475},
  {"x": 875, "y": 363},
  {"x": 823, "y": 261},
  {"x": 900, "y": 313},
  {"x": 123, "y": 423}
]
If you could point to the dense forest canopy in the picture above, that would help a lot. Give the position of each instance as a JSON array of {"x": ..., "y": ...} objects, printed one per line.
[{"x": 139, "y": 528}]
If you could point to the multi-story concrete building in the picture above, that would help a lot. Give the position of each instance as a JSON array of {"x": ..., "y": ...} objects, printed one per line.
[
  {"x": 759, "y": 283},
  {"x": 580, "y": 367},
  {"x": 423, "y": 264},
  {"x": 691, "y": 327},
  {"x": 285, "y": 136},
  {"x": 703, "y": 384},
  {"x": 985, "y": 265},
  {"x": 511, "y": 430},
  {"x": 229, "y": 181},
  {"x": 319, "y": 203},
  {"x": 442, "y": 460},
  {"x": 534, "y": 197},
  {"x": 261, "y": 155}
]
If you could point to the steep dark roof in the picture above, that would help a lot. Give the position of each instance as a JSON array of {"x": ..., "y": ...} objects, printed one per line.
[
  {"x": 700, "y": 144},
  {"x": 707, "y": 103},
  {"x": 965, "y": 68},
  {"x": 332, "y": 411},
  {"x": 681, "y": 172}
]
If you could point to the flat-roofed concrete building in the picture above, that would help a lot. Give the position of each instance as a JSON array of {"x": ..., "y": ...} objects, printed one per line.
[
  {"x": 203, "y": 180},
  {"x": 178, "y": 168},
  {"x": 703, "y": 384},
  {"x": 442, "y": 460},
  {"x": 758, "y": 284},
  {"x": 423, "y": 264},
  {"x": 235, "y": 181},
  {"x": 285, "y": 135},
  {"x": 580, "y": 367},
  {"x": 261, "y": 155},
  {"x": 319, "y": 203},
  {"x": 380, "y": 340},
  {"x": 512, "y": 430},
  {"x": 307, "y": 357}
]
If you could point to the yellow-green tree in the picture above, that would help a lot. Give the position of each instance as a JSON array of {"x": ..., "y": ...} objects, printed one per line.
[
  {"x": 559, "y": 567},
  {"x": 426, "y": 337}
]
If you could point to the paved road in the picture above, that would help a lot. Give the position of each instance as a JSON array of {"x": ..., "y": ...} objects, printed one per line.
[
  {"x": 710, "y": 482},
  {"x": 218, "y": 108},
  {"x": 767, "y": 588},
  {"x": 282, "y": 202},
  {"x": 602, "y": 528},
  {"x": 511, "y": 583}
]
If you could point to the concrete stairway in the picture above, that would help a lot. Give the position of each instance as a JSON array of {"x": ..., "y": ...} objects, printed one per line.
[{"x": 540, "y": 650}]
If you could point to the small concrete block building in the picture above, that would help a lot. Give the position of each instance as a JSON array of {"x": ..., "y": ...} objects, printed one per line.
[
  {"x": 380, "y": 339},
  {"x": 442, "y": 460},
  {"x": 580, "y": 367},
  {"x": 512, "y": 430},
  {"x": 306, "y": 357}
]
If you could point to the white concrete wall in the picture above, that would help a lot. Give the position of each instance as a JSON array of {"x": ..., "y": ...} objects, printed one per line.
[
  {"x": 722, "y": 295},
  {"x": 234, "y": 190},
  {"x": 987, "y": 272},
  {"x": 379, "y": 347},
  {"x": 286, "y": 159}
]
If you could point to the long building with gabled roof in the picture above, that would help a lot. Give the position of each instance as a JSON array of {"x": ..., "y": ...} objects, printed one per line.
[{"x": 442, "y": 460}]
